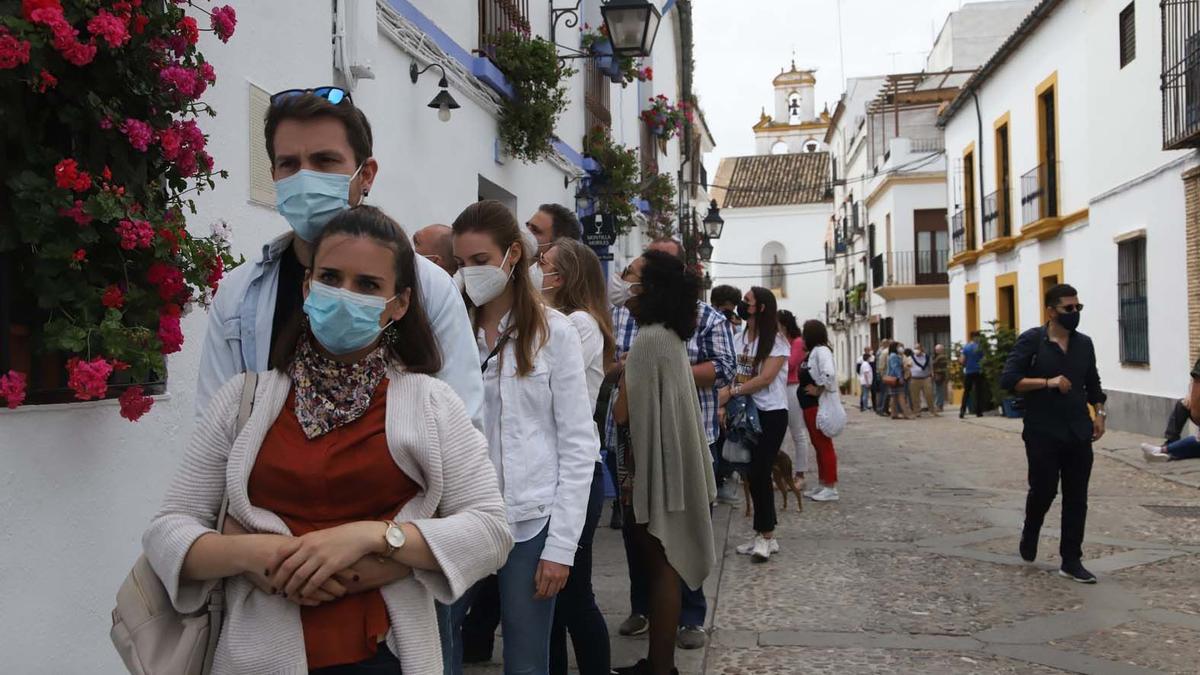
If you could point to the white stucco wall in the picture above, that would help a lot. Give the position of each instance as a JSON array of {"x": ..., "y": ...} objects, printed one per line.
[{"x": 801, "y": 231}]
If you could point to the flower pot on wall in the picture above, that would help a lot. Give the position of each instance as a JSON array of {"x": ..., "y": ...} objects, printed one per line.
[{"x": 605, "y": 61}]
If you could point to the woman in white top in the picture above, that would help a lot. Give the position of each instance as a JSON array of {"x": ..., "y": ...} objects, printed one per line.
[
  {"x": 762, "y": 354},
  {"x": 573, "y": 283},
  {"x": 538, "y": 422}
]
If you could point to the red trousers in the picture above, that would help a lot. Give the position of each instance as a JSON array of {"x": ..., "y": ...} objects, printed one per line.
[{"x": 826, "y": 457}]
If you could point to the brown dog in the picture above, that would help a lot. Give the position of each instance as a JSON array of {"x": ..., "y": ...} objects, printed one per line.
[{"x": 785, "y": 481}]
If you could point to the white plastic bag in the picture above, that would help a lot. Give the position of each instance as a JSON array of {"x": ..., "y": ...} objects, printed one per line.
[{"x": 831, "y": 416}]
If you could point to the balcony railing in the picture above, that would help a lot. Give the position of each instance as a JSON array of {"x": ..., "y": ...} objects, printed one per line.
[
  {"x": 596, "y": 97},
  {"x": 958, "y": 232},
  {"x": 996, "y": 220},
  {"x": 910, "y": 268},
  {"x": 928, "y": 144},
  {"x": 1180, "y": 74},
  {"x": 501, "y": 16},
  {"x": 1037, "y": 195}
]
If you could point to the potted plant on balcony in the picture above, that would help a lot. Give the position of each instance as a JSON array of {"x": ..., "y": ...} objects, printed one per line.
[
  {"x": 665, "y": 120},
  {"x": 658, "y": 190},
  {"x": 620, "y": 69},
  {"x": 539, "y": 81},
  {"x": 103, "y": 154},
  {"x": 616, "y": 184}
]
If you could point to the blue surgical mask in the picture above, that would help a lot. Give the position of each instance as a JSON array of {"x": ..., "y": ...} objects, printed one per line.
[
  {"x": 309, "y": 199},
  {"x": 343, "y": 321}
]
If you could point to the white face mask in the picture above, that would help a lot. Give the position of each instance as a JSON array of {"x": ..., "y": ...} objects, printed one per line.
[
  {"x": 619, "y": 290},
  {"x": 536, "y": 276},
  {"x": 485, "y": 283}
]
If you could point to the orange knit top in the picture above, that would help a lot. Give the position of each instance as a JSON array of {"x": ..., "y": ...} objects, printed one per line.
[{"x": 342, "y": 476}]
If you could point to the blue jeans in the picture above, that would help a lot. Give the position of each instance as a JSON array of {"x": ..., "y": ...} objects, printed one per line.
[
  {"x": 863, "y": 399},
  {"x": 524, "y": 620},
  {"x": 576, "y": 609},
  {"x": 1185, "y": 448},
  {"x": 939, "y": 394}
]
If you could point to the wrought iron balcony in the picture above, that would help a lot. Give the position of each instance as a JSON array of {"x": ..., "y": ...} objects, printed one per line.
[
  {"x": 501, "y": 16},
  {"x": 1180, "y": 74},
  {"x": 910, "y": 268},
  {"x": 996, "y": 220},
  {"x": 958, "y": 232},
  {"x": 1039, "y": 194}
]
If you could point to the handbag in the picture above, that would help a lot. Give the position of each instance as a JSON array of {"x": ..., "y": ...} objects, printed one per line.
[
  {"x": 831, "y": 416},
  {"x": 743, "y": 432},
  {"x": 891, "y": 381},
  {"x": 149, "y": 634}
]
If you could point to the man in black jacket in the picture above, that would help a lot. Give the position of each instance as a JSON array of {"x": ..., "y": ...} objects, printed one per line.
[{"x": 1054, "y": 367}]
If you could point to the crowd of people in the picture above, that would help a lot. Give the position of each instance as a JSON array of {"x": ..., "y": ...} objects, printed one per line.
[
  {"x": 407, "y": 437},
  {"x": 413, "y": 438}
]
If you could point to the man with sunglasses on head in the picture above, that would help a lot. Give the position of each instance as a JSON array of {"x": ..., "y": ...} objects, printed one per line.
[
  {"x": 320, "y": 147},
  {"x": 1054, "y": 368}
]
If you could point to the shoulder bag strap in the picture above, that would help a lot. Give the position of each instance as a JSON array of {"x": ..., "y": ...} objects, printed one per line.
[
  {"x": 216, "y": 598},
  {"x": 495, "y": 350}
]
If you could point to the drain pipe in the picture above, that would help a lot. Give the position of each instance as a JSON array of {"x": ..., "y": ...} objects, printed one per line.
[{"x": 979, "y": 121}]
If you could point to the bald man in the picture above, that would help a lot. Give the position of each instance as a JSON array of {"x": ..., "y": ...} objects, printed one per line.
[{"x": 435, "y": 243}]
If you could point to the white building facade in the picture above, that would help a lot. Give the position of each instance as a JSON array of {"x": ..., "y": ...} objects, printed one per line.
[
  {"x": 1069, "y": 182},
  {"x": 776, "y": 203},
  {"x": 80, "y": 482}
]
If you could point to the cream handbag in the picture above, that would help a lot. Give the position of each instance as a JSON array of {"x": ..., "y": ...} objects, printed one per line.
[{"x": 149, "y": 634}]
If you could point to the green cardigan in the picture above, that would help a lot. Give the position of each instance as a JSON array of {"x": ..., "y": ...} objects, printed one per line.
[{"x": 673, "y": 484}]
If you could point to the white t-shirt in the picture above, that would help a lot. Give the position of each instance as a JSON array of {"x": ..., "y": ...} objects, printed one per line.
[
  {"x": 773, "y": 397},
  {"x": 593, "y": 351}
]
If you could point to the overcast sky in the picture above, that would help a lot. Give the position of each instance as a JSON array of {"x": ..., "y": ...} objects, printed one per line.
[{"x": 742, "y": 44}]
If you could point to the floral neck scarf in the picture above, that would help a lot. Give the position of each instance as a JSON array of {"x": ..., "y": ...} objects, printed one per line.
[{"x": 331, "y": 394}]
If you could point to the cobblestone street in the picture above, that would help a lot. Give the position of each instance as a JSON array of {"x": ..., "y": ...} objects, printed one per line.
[{"x": 916, "y": 569}]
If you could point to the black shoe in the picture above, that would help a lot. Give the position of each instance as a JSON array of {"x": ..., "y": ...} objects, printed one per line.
[
  {"x": 618, "y": 517},
  {"x": 1028, "y": 548},
  {"x": 638, "y": 668},
  {"x": 475, "y": 653},
  {"x": 1075, "y": 570}
]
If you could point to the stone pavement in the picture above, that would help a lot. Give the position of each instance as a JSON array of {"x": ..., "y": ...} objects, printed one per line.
[{"x": 916, "y": 570}]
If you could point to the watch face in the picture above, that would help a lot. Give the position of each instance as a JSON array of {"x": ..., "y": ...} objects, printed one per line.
[{"x": 395, "y": 536}]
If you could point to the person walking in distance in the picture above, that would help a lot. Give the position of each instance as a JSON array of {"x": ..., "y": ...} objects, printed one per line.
[
  {"x": 1054, "y": 367},
  {"x": 921, "y": 385},
  {"x": 818, "y": 374},
  {"x": 972, "y": 363},
  {"x": 941, "y": 375},
  {"x": 866, "y": 380},
  {"x": 573, "y": 283},
  {"x": 893, "y": 379},
  {"x": 787, "y": 321},
  {"x": 762, "y": 354}
]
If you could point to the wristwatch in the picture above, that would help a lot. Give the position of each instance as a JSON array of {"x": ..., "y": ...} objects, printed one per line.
[
  {"x": 393, "y": 539},
  {"x": 1101, "y": 412}
]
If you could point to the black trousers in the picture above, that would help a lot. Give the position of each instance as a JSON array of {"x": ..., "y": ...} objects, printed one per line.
[
  {"x": 762, "y": 463},
  {"x": 383, "y": 663},
  {"x": 972, "y": 393},
  {"x": 575, "y": 609},
  {"x": 1051, "y": 462}
]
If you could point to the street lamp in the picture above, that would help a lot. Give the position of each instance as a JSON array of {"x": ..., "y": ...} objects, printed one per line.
[
  {"x": 443, "y": 102},
  {"x": 713, "y": 222},
  {"x": 705, "y": 249},
  {"x": 632, "y": 26}
]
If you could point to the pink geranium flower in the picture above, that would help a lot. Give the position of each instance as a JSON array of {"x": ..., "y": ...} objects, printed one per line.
[
  {"x": 12, "y": 388},
  {"x": 89, "y": 379},
  {"x": 134, "y": 403},
  {"x": 224, "y": 20}
]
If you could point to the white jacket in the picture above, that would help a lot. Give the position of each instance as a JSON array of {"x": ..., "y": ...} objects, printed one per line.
[
  {"x": 547, "y": 442},
  {"x": 866, "y": 373},
  {"x": 592, "y": 341},
  {"x": 823, "y": 369}
]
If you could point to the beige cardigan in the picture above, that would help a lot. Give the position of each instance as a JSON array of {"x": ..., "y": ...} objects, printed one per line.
[
  {"x": 673, "y": 476},
  {"x": 459, "y": 511}
]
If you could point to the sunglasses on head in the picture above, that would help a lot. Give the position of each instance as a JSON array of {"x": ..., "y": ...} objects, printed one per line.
[
  {"x": 334, "y": 95},
  {"x": 1070, "y": 309}
]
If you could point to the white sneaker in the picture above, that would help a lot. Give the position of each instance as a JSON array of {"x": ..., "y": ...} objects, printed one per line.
[
  {"x": 1154, "y": 453},
  {"x": 748, "y": 547},
  {"x": 826, "y": 494},
  {"x": 763, "y": 548},
  {"x": 814, "y": 490}
]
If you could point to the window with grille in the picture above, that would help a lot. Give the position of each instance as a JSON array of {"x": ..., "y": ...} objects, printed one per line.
[
  {"x": 1131, "y": 301},
  {"x": 1127, "y": 34}
]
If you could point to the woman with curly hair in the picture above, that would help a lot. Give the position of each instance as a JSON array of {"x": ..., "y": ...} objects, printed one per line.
[{"x": 665, "y": 468}]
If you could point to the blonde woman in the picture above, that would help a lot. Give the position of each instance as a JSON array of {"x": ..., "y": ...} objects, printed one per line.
[{"x": 573, "y": 283}]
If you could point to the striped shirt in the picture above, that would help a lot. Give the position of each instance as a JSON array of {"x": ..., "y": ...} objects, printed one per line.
[{"x": 713, "y": 341}]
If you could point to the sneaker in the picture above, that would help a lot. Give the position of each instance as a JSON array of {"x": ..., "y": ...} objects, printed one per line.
[
  {"x": 691, "y": 637},
  {"x": 728, "y": 493},
  {"x": 1076, "y": 572},
  {"x": 825, "y": 494},
  {"x": 1028, "y": 548},
  {"x": 814, "y": 490},
  {"x": 762, "y": 549},
  {"x": 748, "y": 547},
  {"x": 636, "y": 624},
  {"x": 1154, "y": 453}
]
